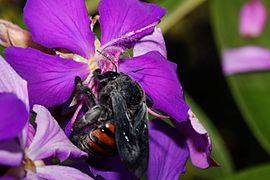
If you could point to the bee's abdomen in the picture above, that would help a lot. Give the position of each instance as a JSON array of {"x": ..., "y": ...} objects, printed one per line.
[{"x": 101, "y": 141}]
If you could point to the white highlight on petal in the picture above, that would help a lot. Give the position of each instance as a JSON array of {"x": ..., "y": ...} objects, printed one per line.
[{"x": 196, "y": 124}]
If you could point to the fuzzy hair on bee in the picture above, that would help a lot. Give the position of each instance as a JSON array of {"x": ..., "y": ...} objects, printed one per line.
[{"x": 116, "y": 120}]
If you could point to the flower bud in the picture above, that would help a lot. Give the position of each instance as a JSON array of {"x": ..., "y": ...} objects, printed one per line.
[
  {"x": 253, "y": 18},
  {"x": 13, "y": 35}
]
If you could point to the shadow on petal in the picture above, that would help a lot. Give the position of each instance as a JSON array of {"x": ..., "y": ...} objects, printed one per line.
[
  {"x": 13, "y": 116},
  {"x": 168, "y": 152},
  {"x": 109, "y": 168},
  {"x": 198, "y": 141}
]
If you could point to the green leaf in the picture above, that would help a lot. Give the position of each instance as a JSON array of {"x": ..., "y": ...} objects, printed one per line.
[
  {"x": 176, "y": 10},
  {"x": 219, "y": 153},
  {"x": 250, "y": 90},
  {"x": 259, "y": 172},
  {"x": 92, "y": 6},
  {"x": 252, "y": 93}
]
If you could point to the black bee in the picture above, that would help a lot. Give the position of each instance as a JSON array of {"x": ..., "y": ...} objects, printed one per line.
[{"x": 116, "y": 122}]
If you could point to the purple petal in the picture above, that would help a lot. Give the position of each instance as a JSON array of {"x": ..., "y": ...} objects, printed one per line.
[
  {"x": 55, "y": 172},
  {"x": 30, "y": 135},
  {"x": 253, "y": 18},
  {"x": 23, "y": 136},
  {"x": 60, "y": 24},
  {"x": 11, "y": 82},
  {"x": 50, "y": 140},
  {"x": 124, "y": 21},
  {"x": 11, "y": 153},
  {"x": 13, "y": 116},
  {"x": 30, "y": 175},
  {"x": 159, "y": 81},
  {"x": 152, "y": 42},
  {"x": 7, "y": 178},
  {"x": 198, "y": 141},
  {"x": 168, "y": 152},
  {"x": 51, "y": 79},
  {"x": 110, "y": 168},
  {"x": 245, "y": 59}
]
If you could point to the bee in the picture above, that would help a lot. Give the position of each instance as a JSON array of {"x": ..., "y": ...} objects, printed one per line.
[{"x": 116, "y": 121}]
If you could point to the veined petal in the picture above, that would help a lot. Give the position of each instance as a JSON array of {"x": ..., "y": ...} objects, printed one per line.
[
  {"x": 253, "y": 18},
  {"x": 122, "y": 22},
  {"x": 50, "y": 140},
  {"x": 152, "y": 42},
  {"x": 168, "y": 152},
  {"x": 60, "y": 24},
  {"x": 50, "y": 78},
  {"x": 11, "y": 153},
  {"x": 245, "y": 59},
  {"x": 54, "y": 172},
  {"x": 30, "y": 135},
  {"x": 13, "y": 116},
  {"x": 198, "y": 141},
  {"x": 11, "y": 82},
  {"x": 158, "y": 78},
  {"x": 110, "y": 168}
]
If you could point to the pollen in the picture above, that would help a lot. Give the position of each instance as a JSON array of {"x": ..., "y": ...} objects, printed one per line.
[
  {"x": 29, "y": 164},
  {"x": 92, "y": 63}
]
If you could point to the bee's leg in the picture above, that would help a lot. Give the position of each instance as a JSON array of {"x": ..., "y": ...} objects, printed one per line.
[
  {"x": 82, "y": 90},
  {"x": 97, "y": 74},
  {"x": 82, "y": 127},
  {"x": 90, "y": 118}
]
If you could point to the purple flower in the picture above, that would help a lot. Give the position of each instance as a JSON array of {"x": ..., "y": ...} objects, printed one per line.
[
  {"x": 124, "y": 24},
  {"x": 23, "y": 147},
  {"x": 67, "y": 26},
  {"x": 253, "y": 18},
  {"x": 245, "y": 59},
  {"x": 14, "y": 112},
  {"x": 48, "y": 140}
]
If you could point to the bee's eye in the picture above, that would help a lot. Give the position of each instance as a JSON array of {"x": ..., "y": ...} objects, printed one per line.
[{"x": 111, "y": 75}]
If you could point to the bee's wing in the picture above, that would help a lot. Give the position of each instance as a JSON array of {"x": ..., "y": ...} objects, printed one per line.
[{"x": 131, "y": 140}]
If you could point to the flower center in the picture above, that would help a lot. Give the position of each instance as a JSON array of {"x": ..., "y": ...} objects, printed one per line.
[
  {"x": 105, "y": 59},
  {"x": 20, "y": 171},
  {"x": 29, "y": 164}
]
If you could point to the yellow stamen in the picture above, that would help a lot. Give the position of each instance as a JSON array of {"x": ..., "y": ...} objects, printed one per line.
[
  {"x": 92, "y": 63},
  {"x": 29, "y": 164}
]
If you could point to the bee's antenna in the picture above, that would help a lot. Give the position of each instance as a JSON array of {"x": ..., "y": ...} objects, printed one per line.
[
  {"x": 136, "y": 70},
  {"x": 108, "y": 59}
]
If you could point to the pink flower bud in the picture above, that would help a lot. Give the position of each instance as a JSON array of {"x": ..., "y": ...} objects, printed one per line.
[
  {"x": 13, "y": 35},
  {"x": 253, "y": 17}
]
